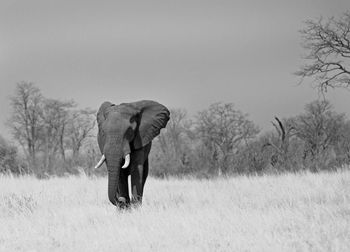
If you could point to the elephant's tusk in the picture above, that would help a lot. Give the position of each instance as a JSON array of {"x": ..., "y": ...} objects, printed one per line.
[
  {"x": 103, "y": 158},
  {"x": 127, "y": 161}
]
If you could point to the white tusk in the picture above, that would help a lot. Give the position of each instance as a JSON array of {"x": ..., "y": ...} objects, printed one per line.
[
  {"x": 127, "y": 161},
  {"x": 103, "y": 158}
]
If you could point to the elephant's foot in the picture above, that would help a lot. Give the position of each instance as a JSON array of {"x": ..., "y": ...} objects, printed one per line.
[
  {"x": 136, "y": 201},
  {"x": 122, "y": 203}
]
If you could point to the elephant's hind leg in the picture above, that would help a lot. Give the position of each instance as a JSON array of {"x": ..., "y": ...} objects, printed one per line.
[
  {"x": 139, "y": 173},
  {"x": 138, "y": 180},
  {"x": 137, "y": 184},
  {"x": 145, "y": 172}
]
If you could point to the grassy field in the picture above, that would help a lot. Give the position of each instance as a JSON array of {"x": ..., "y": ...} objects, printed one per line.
[{"x": 303, "y": 212}]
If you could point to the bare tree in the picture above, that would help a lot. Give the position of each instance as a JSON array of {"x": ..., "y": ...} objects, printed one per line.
[
  {"x": 328, "y": 46},
  {"x": 80, "y": 126},
  {"x": 342, "y": 146},
  {"x": 174, "y": 144},
  {"x": 319, "y": 127},
  {"x": 171, "y": 137},
  {"x": 281, "y": 145},
  {"x": 48, "y": 127},
  {"x": 223, "y": 129},
  {"x": 55, "y": 116},
  {"x": 25, "y": 122}
]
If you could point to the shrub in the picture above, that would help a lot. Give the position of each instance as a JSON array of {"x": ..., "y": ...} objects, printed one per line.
[{"x": 9, "y": 162}]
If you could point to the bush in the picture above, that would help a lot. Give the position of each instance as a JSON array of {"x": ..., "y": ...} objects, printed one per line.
[{"x": 9, "y": 162}]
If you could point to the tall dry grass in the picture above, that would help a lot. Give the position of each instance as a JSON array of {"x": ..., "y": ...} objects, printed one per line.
[{"x": 302, "y": 212}]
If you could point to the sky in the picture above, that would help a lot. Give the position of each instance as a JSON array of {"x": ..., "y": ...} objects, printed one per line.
[{"x": 184, "y": 53}]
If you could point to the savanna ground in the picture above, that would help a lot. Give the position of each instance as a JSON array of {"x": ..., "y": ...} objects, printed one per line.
[{"x": 292, "y": 212}]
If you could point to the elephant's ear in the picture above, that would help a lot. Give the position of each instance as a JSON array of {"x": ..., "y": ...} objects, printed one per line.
[
  {"x": 152, "y": 118},
  {"x": 102, "y": 112},
  {"x": 101, "y": 117}
]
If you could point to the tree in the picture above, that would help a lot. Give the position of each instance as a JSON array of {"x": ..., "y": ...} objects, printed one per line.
[
  {"x": 319, "y": 127},
  {"x": 223, "y": 129},
  {"x": 25, "y": 122},
  {"x": 171, "y": 151},
  {"x": 173, "y": 135},
  {"x": 342, "y": 146},
  {"x": 80, "y": 126},
  {"x": 281, "y": 144},
  {"x": 48, "y": 128},
  {"x": 54, "y": 116},
  {"x": 328, "y": 46}
]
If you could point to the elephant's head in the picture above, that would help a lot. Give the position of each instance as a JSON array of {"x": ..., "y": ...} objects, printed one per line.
[{"x": 124, "y": 128}]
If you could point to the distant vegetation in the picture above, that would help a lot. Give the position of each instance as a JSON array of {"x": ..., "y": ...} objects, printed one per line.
[
  {"x": 54, "y": 137},
  {"x": 221, "y": 140}
]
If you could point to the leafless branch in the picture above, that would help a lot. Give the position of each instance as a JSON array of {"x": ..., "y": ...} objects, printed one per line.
[{"x": 328, "y": 46}]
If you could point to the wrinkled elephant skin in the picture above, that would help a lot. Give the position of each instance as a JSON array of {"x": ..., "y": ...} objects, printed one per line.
[{"x": 125, "y": 134}]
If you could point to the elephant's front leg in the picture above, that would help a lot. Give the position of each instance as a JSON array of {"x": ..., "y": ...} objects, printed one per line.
[{"x": 123, "y": 193}]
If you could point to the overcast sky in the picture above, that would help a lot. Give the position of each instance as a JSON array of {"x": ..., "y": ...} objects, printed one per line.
[{"x": 184, "y": 54}]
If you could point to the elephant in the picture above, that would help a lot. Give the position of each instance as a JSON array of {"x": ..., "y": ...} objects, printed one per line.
[{"x": 125, "y": 134}]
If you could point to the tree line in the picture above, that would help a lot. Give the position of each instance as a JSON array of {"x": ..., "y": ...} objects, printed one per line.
[
  {"x": 222, "y": 140},
  {"x": 55, "y": 137},
  {"x": 58, "y": 138},
  {"x": 50, "y": 132}
]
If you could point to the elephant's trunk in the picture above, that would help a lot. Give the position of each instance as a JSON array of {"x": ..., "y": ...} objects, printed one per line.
[
  {"x": 114, "y": 154},
  {"x": 113, "y": 179},
  {"x": 113, "y": 167}
]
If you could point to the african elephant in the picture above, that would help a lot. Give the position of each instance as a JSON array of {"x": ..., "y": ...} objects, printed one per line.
[{"x": 125, "y": 134}]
